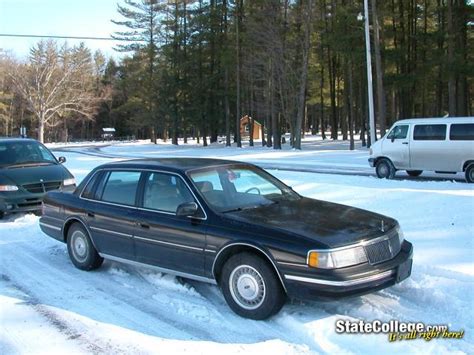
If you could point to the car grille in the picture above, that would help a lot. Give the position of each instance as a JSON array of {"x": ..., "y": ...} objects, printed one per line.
[
  {"x": 384, "y": 250},
  {"x": 42, "y": 186}
]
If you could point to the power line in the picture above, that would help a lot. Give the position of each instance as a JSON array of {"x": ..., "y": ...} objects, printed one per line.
[{"x": 62, "y": 37}]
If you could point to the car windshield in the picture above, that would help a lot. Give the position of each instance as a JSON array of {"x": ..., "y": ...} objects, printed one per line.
[
  {"x": 235, "y": 188},
  {"x": 27, "y": 152}
]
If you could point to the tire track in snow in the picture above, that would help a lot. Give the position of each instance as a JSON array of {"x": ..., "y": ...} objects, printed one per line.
[
  {"x": 94, "y": 295},
  {"x": 54, "y": 319}
]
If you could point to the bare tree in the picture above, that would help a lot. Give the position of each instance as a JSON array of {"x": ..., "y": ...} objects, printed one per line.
[{"x": 52, "y": 83}]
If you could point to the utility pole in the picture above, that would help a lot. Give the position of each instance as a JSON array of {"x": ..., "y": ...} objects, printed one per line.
[{"x": 370, "y": 90}]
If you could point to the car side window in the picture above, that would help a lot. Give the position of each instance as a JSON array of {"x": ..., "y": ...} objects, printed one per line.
[
  {"x": 429, "y": 132},
  {"x": 398, "y": 132},
  {"x": 165, "y": 192},
  {"x": 119, "y": 187}
]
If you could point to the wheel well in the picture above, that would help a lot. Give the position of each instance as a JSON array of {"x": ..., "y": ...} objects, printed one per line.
[
  {"x": 226, "y": 253},
  {"x": 380, "y": 158},
  {"x": 68, "y": 225},
  {"x": 466, "y": 164}
]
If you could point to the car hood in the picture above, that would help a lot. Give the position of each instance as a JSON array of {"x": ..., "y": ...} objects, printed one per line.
[
  {"x": 328, "y": 224},
  {"x": 33, "y": 173}
]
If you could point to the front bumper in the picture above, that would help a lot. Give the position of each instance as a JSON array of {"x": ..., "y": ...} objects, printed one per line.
[
  {"x": 372, "y": 162},
  {"x": 24, "y": 201},
  {"x": 350, "y": 281}
]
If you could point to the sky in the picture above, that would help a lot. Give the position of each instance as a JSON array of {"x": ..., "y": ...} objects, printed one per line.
[{"x": 58, "y": 17}]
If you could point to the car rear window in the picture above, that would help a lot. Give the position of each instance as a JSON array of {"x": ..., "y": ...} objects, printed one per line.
[
  {"x": 429, "y": 132},
  {"x": 462, "y": 132}
]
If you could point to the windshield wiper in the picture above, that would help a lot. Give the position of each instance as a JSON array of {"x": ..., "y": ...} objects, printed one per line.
[{"x": 237, "y": 209}]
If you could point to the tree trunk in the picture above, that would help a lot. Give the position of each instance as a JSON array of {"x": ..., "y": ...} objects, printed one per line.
[
  {"x": 381, "y": 105},
  {"x": 238, "y": 45},
  {"x": 306, "y": 19}
]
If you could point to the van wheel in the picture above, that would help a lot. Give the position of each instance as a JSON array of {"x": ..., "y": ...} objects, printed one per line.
[
  {"x": 470, "y": 173},
  {"x": 385, "y": 169},
  {"x": 414, "y": 172},
  {"x": 250, "y": 287}
]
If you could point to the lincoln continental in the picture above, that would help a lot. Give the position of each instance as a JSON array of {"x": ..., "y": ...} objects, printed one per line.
[{"x": 227, "y": 223}]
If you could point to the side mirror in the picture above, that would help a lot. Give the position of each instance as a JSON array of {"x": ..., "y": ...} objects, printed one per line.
[
  {"x": 393, "y": 139},
  {"x": 62, "y": 160},
  {"x": 187, "y": 209}
]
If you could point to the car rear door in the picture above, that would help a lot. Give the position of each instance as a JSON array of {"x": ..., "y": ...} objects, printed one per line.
[
  {"x": 111, "y": 212},
  {"x": 162, "y": 238}
]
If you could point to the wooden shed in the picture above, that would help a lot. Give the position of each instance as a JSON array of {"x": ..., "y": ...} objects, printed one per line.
[{"x": 245, "y": 123}]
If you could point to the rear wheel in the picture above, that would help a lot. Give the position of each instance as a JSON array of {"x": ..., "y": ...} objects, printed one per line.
[
  {"x": 251, "y": 287},
  {"x": 385, "y": 169},
  {"x": 470, "y": 173},
  {"x": 81, "y": 250},
  {"x": 414, "y": 173}
]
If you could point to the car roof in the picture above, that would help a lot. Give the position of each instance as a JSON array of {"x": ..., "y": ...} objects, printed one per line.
[
  {"x": 438, "y": 120},
  {"x": 171, "y": 164}
]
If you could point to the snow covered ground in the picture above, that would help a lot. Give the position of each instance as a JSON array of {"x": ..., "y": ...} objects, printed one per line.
[{"x": 48, "y": 306}]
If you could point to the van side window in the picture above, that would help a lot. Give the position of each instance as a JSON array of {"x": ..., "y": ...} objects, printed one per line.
[
  {"x": 462, "y": 132},
  {"x": 398, "y": 132},
  {"x": 429, "y": 132}
]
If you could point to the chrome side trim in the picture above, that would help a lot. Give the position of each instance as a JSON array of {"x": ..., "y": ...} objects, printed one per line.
[
  {"x": 50, "y": 226},
  {"x": 359, "y": 281},
  {"x": 55, "y": 218},
  {"x": 292, "y": 264},
  {"x": 141, "y": 208},
  {"x": 166, "y": 243},
  {"x": 210, "y": 251},
  {"x": 111, "y": 232},
  {"x": 160, "y": 269},
  {"x": 252, "y": 246}
]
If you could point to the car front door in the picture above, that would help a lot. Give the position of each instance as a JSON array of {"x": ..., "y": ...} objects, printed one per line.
[
  {"x": 111, "y": 212},
  {"x": 162, "y": 238},
  {"x": 396, "y": 146}
]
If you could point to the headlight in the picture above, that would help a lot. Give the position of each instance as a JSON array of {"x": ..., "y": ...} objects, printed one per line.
[
  {"x": 69, "y": 182},
  {"x": 8, "y": 188},
  {"x": 337, "y": 258}
]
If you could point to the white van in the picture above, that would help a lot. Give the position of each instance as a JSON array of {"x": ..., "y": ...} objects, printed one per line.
[{"x": 443, "y": 145}]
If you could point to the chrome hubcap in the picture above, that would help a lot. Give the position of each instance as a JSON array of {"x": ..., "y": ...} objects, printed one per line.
[
  {"x": 79, "y": 245},
  {"x": 247, "y": 287}
]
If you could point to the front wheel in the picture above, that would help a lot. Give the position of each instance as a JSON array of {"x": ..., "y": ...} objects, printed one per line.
[
  {"x": 414, "y": 173},
  {"x": 251, "y": 287},
  {"x": 470, "y": 173},
  {"x": 81, "y": 250},
  {"x": 385, "y": 169}
]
